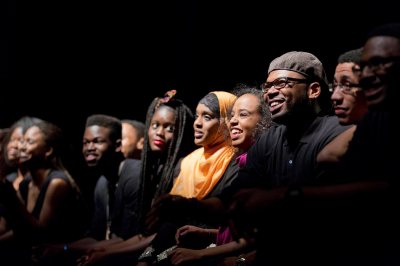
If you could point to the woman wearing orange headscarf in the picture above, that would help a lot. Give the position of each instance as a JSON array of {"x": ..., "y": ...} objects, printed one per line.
[{"x": 203, "y": 173}]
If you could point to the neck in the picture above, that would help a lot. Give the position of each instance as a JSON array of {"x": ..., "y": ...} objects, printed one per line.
[{"x": 39, "y": 175}]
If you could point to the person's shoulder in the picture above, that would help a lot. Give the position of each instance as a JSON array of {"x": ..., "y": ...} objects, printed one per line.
[
  {"x": 57, "y": 177},
  {"x": 131, "y": 163},
  {"x": 328, "y": 119},
  {"x": 331, "y": 121},
  {"x": 130, "y": 171},
  {"x": 11, "y": 176},
  {"x": 57, "y": 184},
  {"x": 274, "y": 130},
  {"x": 325, "y": 128},
  {"x": 130, "y": 167}
]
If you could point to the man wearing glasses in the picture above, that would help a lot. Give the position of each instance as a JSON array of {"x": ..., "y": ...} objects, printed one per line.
[
  {"x": 349, "y": 104},
  {"x": 353, "y": 218},
  {"x": 280, "y": 162},
  {"x": 373, "y": 154},
  {"x": 283, "y": 160},
  {"x": 296, "y": 84},
  {"x": 348, "y": 99}
]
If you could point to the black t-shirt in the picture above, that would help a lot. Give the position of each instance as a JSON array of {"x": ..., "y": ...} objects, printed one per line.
[{"x": 272, "y": 162}]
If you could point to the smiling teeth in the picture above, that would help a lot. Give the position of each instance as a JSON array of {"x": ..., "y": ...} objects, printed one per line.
[{"x": 274, "y": 104}]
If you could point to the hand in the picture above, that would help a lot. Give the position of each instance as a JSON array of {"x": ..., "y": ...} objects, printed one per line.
[
  {"x": 179, "y": 256},
  {"x": 249, "y": 207},
  {"x": 189, "y": 229},
  {"x": 92, "y": 257}
]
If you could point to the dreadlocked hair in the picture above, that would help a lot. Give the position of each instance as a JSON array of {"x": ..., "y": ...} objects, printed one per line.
[{"x": 181, "y": 144}]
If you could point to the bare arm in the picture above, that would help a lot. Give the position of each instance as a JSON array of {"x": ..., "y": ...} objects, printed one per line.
[
  {"x": 54, "y": 201},
  {"x": 184, "y": 255},
  {"x": 334, "y": 150},
  {"x": 133, "y": 244}
]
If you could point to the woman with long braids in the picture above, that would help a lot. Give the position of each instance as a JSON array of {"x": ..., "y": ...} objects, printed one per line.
[{"x": 168, "y": 138}]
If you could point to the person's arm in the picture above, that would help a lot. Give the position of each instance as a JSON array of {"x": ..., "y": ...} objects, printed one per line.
[
  {"x": 243, "y": 259},
  {"x": 335, "y": 149},
  {"x": 191, "y": 232},
  {"x": 183, "y": 255},
  {"x": 54, "y": 202},
  {"x": 133, "y": 244}
]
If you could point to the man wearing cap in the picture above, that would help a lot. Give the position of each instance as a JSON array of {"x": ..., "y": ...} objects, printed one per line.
[
  {"x": 297, "y": 93},
  {"x": 351, "y": 219},
  {"x": 282, "y": 160}
]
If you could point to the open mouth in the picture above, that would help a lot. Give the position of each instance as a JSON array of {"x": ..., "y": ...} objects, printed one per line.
[
  {"x": 235, "y": 133},
  {"x": 275, "y": 106}
]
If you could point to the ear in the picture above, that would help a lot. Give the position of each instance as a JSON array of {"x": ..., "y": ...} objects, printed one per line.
[
  {"x": 314, "y": 90},
  {"x": 49, "y": 152},
  {"x": 140, "y": 144},
  {"x": 118, "y": 145}
]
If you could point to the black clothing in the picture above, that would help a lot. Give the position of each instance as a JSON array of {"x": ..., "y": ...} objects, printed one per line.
[
  {"x": 278, "y": 159},
  {"x": 124, "y": 221},
  {"x": 67, "y": 225},
  {"x": 119, "y": 211},
  {"x": 273, "y": 162},
  {"x": 371, "y": 233}
]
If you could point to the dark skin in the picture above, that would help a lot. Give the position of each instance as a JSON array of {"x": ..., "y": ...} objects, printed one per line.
[
  {"x": 100, "y": 152},
  {"x": 34, "y": 153}
]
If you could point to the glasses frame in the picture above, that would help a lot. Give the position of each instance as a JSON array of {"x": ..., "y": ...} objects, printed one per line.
[
  {"x": 348, "y": 88},
  {"x": 277, "y": 83}
]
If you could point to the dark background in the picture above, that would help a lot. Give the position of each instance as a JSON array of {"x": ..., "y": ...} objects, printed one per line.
[{"x": 92, "y": 55}]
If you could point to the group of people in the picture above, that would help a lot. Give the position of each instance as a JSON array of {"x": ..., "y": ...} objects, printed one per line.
[{"x": 297, "y": 172}]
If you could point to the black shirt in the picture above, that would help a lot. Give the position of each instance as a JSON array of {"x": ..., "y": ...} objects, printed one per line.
[{"x": 272, "y": 162}]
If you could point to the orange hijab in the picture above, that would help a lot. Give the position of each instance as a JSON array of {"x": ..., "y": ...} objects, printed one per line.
[{"x": 202, "y": 169}]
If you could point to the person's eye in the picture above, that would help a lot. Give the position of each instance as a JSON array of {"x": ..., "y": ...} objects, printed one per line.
[
  {"x": 170, "y": 128},
  {"x": 207, "y": 117}
]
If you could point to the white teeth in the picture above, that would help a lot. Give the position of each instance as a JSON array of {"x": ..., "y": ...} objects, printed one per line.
[
  {"x": 274, "y": 104},
  {"x": 235, "y": 131}
]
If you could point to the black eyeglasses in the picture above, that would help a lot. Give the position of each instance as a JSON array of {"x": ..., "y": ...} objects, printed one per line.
[
  {"x": 379, "y": 63},
  {"x": 347, "y": 88},
  {"x": 281, "y": 83}
]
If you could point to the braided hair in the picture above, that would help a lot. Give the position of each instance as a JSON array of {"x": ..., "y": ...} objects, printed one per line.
[{"x": 157, "y": 172}]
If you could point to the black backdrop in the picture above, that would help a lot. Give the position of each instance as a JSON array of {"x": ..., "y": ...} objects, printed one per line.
[{"x": 91, "y": 54}]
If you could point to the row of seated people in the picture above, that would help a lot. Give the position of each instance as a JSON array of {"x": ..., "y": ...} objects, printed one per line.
[
  {"x": 163, "y": 145},
  {"x": 301, "y": 177}
]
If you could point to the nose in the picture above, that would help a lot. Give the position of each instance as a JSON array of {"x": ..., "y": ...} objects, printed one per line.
[
  {"x": 337, "y": 95},
  {"x": 197, "y": 122},
  {"x": 233, "y": 120},
  {"x": 21, "y": 144},
  {"x": 90, "y": 146},
  {"x": 271, "y": 93},
  {"x": 160, "y": 131}
]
